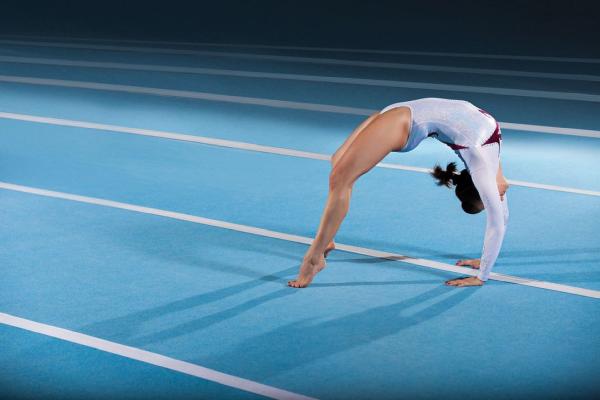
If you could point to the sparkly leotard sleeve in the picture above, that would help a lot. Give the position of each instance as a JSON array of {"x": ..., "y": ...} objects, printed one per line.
[
  {"x": 475, "y": 136},
  {"x": 482, "y": 163}
]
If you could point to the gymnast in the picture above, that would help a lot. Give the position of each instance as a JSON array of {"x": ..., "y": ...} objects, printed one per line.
[{"x": 471, "y": 132}]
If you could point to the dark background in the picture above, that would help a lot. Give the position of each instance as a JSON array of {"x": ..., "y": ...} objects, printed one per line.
[{"x": 517, "y": 27}]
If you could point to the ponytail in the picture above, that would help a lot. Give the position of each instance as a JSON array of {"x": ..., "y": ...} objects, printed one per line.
[{"x": 446, "y": 178}]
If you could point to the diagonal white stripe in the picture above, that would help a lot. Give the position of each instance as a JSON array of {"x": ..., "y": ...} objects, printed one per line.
[
  {"x": 299, "y": 239},
  {"x": 543, "y": 94},
  {"x": 302, "y": 77},
  {"x": 148, "y": 357},
  {"x": 550, "y": 129},
  {"x": 294, "y": 105},
  {"x": 250, "y": 147},
  {"x": 587, "y": 60}
]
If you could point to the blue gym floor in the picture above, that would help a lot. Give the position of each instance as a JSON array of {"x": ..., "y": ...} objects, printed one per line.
[{"x": 367, "y": 327}]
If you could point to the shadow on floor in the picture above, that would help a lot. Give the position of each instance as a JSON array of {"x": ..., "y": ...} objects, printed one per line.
[{"x": 306, "y": 341}]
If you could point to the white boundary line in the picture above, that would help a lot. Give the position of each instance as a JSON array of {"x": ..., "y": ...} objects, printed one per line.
[
  {"x": 150, "y": 358},
  {"x": 541, "y": 94},
  {"x": 326, "y": 61},
  {"x": 421, "y": 85},
  {"x": 544, "y": 94},
  {"x": 325, "y": 49},
  {"x": 299, "y": 239},
  {"x": 555, "y": 188},
  {"x": 249, "y": 146},
  {"x": 556, "y": 130},
  {"x": 294, "y": 105},
  {"x": 186, "y": 94},
  {"x": 410, "y": 53}
]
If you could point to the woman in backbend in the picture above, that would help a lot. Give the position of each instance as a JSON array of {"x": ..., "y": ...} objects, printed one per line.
[{"x": 471, "y": 132}]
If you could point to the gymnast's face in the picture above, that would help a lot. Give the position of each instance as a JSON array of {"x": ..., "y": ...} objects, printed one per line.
[
  {"x": 469, "y": 196},
  {"x": 473, "y": 206},
  {"x": 466, "y": 191}
]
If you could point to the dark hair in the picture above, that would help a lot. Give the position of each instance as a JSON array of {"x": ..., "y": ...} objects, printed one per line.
[{"x": 465, "y": 188}]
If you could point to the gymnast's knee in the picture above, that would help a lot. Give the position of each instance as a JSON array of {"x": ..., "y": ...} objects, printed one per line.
[
  {"x": 334, "y": 159},
  {"x": 339, "y": 179}
]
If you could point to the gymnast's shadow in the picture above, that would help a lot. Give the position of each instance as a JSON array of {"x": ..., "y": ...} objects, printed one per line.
[
  {"x": 205, "y": 322},
  {"x": 388, "y": 262},
  {"x": 375, "y": 283},
  {"x": 130, "y": 326},
  {"x": 305, "y": 341}
]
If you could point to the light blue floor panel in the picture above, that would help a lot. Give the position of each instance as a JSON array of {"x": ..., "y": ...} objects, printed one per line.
[
  {"x": 391, "y": 210},
  {"x": 218, "y": 298},
  {"x": 555, "y": 112},
  {"x": 35, "y": 366},
  {"x": 526, "y": 156},
  {"x": 366, "y": 327}
]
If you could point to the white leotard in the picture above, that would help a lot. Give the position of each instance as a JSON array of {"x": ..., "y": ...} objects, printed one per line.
[
  {"x": 466, "y": 129},
  {"x": 455, "y": 122}
]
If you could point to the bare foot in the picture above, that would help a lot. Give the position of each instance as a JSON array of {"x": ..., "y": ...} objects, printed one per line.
[
  {"x": 330, "y": 246},
  {"x": 462, "y": 282},
  {"x": 308, "y": 270},
  {"x": 474, "y": 263}
]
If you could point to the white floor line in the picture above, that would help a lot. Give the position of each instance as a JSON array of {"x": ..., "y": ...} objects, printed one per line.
[
  {"x": 299, "y": 239},
  {"x": 186, "y": 94},
  {"x": 249, "y": 146},
  {"x": 587, "y": 60},
  {"x": 550, "y": 129},
  {"x": 541, "y": 94},
  {"x": 554, "y": 188},
  {"x": 323, "y": 49},
  {"x": 263, "y": 102},
  {"x": 355, "y": 81},
  {"x": 315, "y": 60},
  {"x": 150, "y": 358}
]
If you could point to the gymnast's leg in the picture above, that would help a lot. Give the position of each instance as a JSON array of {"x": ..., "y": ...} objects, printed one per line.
[
  {"x": 385, "y": 133},
  {"x": 338, "y": 155}
]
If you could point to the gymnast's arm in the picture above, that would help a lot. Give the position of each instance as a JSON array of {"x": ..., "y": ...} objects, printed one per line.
[
  {"x": 497, "y": 213},
  {"x": 501, "y": 182}
]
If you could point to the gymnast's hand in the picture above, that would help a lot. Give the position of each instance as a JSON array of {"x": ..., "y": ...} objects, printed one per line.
[
  {"x": 502, "y": 187},
  {"x": 501, "y": 182},
  {"x": 473, "y": 263}
]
